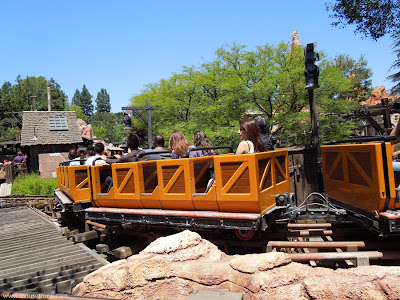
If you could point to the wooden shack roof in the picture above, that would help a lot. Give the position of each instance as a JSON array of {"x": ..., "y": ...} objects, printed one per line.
[{"x": 49, "y": 127}]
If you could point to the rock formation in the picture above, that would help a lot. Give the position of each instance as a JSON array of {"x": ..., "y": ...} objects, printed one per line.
[
  {"x": 376, "y": 96},
  {"x": 295, "y": 39},
  {"x": 173, "y": 267},
  {"x": 86, "y": 130}
]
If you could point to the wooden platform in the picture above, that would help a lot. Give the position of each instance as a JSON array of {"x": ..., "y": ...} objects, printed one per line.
[{"x": 36, "y": 257}]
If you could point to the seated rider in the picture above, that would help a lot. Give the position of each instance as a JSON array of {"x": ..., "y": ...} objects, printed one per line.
[
  {"x": 98, "y": 153},
  {"x": 72, "y": 154},
  {"x": 200, "y": 140},
  {"x": 133, "y": 144},
  {"x": 262, "y": 125},
  {"x": 158, "y": 145},
  {"x": 250, "y": 136},
  {"x": 80, "y": 159},
  {"x": 178, "y": 146},
  {"x": 20, "y": 158}
]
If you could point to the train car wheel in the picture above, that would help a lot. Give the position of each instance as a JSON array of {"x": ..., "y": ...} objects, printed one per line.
[{"x": 244, "y": 235}]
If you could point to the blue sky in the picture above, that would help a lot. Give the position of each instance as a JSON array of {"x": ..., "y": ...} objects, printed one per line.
[{"x": 123, "y": 45}]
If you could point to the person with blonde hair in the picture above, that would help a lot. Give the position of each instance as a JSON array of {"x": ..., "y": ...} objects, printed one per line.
[{"x": 178, "y": 146}]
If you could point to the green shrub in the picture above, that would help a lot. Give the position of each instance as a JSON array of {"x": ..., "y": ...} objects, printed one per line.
[{"x": 33, "y": 184}]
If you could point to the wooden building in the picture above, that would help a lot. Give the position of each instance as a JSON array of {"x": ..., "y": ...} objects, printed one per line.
[{"x": 48, "y": 132}]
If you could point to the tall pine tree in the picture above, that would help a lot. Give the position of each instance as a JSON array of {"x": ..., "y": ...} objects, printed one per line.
[
  {"x": 86, "y": 101},
  {"x": 76, "y": 99},
  {"x": 103, "y": 101}
]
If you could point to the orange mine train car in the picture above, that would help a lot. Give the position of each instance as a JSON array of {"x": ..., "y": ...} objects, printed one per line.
[
  {"x": 360, "y": 179},
  {"x": 249, "y": 193}
]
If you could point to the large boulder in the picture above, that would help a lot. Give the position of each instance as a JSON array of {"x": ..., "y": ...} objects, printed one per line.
[
  {"x": 376, "y": 95},
  {"x": 173, "y": 267}
]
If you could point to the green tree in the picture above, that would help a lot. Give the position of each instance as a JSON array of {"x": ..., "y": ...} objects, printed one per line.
[
  {"x": 358, "y": 74},
  {"x": 99, "y": 131},
  {"x": 86, "y": 101},
  {"x": 78, "y": 112},
  {"x": 76, "y": 99},
  {"x": 9, "y": 119},
  {"x": 108, "y": 125},
  {"x": 238, "y": 83},
  {"x": 36, "y": 86},
  {"x": 59, "y": 99},
  {"x": 396, "y": 65},
  {"x": 372, "y": 18},
  {"x": 17, "y": 98},
  {"x": 83, "y": 99},
  {"x": 103, "y": 101}
]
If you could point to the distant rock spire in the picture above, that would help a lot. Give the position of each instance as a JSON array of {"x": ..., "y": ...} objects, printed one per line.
[{"x": 295, "y": 39}]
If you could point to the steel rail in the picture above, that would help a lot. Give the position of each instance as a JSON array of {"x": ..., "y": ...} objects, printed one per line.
[{"x": 372, "y": 255}]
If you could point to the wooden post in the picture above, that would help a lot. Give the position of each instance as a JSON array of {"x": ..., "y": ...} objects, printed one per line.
[
  {"x": 33, "y": 102},
  {"x": 48, "y": 99},
  {"x": 148, "y": 108},
  {"x": 149, "y": 127},
  {"x": 386, "y": 113},
  {"x": 9, "y": 172},
  {"x": 314, "y": 121}
]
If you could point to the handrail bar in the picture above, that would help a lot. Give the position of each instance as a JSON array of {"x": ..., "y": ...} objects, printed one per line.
[
  {"x": 386, "y": 138},
  {"x": 207, "y": 148}
]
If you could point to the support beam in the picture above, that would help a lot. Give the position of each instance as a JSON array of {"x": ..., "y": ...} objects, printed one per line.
[{"x": 148, "y": 108}]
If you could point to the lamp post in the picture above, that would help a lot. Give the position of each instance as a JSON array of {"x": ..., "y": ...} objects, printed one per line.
[
  {"x": 147, "y": 119},
  {"x": 311, "y": 73},
  {"x": 127, "y": 120}
]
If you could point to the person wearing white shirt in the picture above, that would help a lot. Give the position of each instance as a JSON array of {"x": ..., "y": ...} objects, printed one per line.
[{"x": 99, "y": 151}]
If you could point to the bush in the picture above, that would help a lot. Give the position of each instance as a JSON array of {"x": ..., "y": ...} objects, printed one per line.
[{"x": 33, "y": 184}]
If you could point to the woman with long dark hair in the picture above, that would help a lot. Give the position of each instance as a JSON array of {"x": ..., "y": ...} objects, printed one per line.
[{"x": 250, "y": 136}]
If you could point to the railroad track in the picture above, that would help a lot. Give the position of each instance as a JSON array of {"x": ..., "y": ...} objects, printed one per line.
[
  {"x": 334, "y": 245},
  {"x": 43, "y": 202},
  {"x": 36, "y": 257},
  {"x": 318, "y": 244}
]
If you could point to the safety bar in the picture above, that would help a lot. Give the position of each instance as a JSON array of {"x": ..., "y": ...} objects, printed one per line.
[
  {"x": 141, "y": 154},
  {"x": 98, "y": 158},
  {"x": 67, "y": 162},
  {"x": 207, "y": 148},
  {"x": 386, "y": 138}
]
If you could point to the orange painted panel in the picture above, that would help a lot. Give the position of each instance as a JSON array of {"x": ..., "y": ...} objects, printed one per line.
[
  {"x": 201, "y": 169},
  {"x": 78, "y": 185},
  {"x": 148, "y": 184},
  {"x": 58, "y": 173},
  {"x": 174, "y": 184},
  {"x": 102, "y": 195},
  {"x": 249, "y": 182},
  {"x": 354, "y": 175},
  {"x": 126, "y": 185}
]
